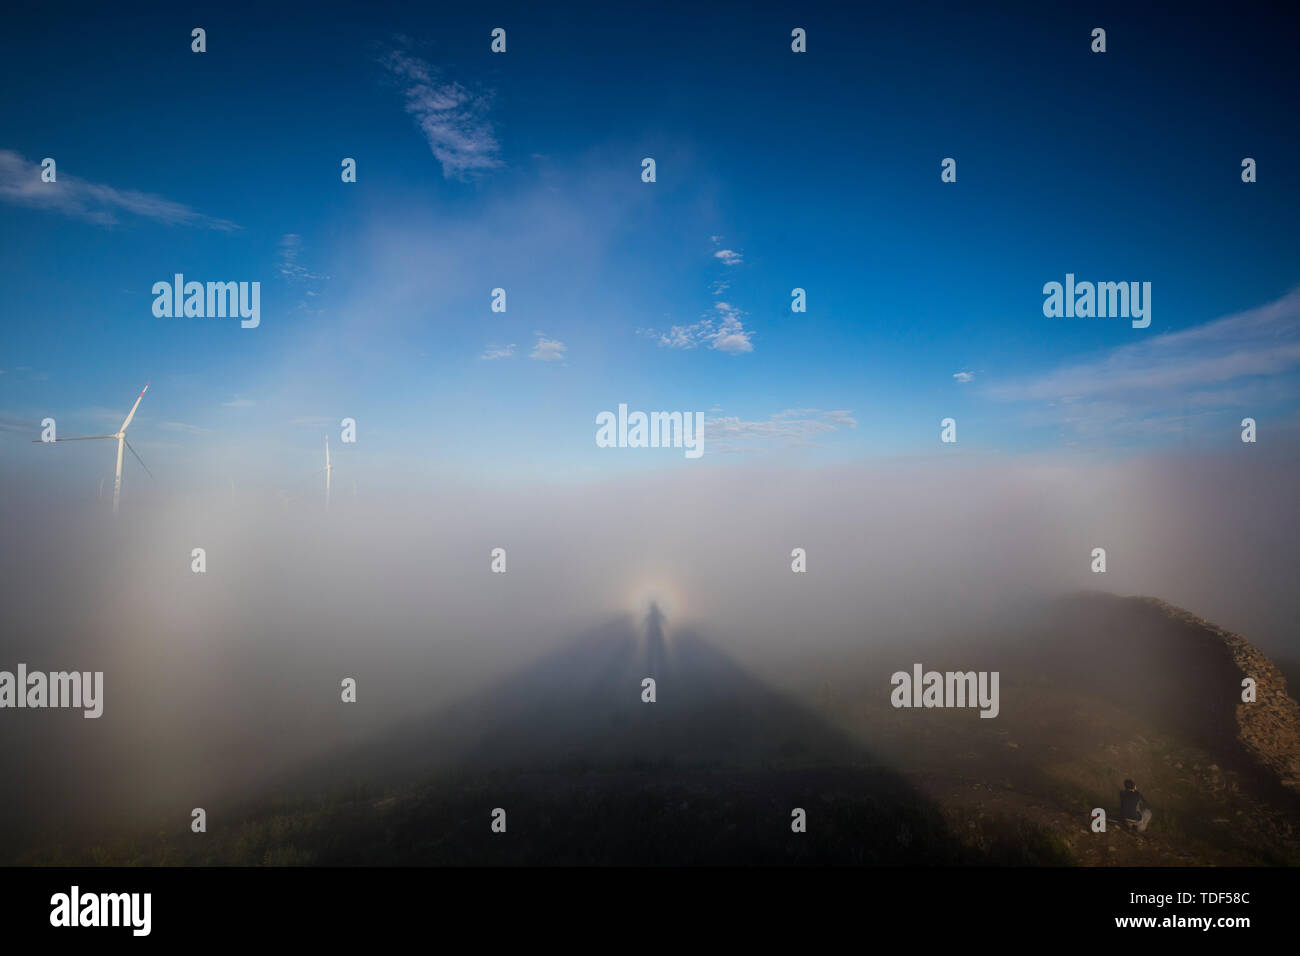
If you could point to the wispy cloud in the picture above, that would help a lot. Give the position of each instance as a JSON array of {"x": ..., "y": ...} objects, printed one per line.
[
  {"x": 1168, "y": 383},
  {"x": 839, "y": 418},
  {"x": 498, "y": 352},
  {"x": 20, "y": 183},
  {"x": 1263, "y": 341},
  {"x": 289, "y": 249},
  {"x": 183, "y": 427},
  {"x": 792, "y": 427},
  {"x": 288, "y": 252},
  {"x": 239, "y": 403},
  {"x": 723, "y": 330},
  {"x": 963, "y": 377},
  {"x": 453, "y": 119},
  {"x": 548, "y": 350}
]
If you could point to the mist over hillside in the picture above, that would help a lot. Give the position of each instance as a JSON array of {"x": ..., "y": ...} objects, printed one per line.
[
  {"x": 219, "y": 684},
  {"x": 711, "y": 764}
]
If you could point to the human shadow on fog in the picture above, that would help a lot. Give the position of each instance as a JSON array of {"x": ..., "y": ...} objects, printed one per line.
[{"x": 589, "y": 770}]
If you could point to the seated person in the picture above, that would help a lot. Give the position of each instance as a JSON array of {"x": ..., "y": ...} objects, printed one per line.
[{"x": 1132, "y": 806}]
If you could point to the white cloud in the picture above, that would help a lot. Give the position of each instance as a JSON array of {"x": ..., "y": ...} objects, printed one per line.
[
  {"x": 452, "y": 118},
  {"x": 733, "y": 342},
  {"x": 239, "y": 403},
  {"x": 729, "y": 257},
  {"x": 963, "y": 377},
  {"x": 498, "y": 352},
  {"x": 20, "y": 183},
  {"x": 548, "y": 350},
  {"x": 724, "y": 331}
]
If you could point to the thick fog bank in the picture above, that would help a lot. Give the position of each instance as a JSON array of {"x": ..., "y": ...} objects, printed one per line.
[{"x": 215, "y": 682}]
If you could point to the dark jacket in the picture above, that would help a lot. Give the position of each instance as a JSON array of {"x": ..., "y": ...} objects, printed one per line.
[{"x": 1128, "y": 804}]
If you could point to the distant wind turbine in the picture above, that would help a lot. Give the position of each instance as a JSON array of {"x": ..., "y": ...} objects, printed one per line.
[
  {"x": 329, "y": 469},
  {"x": 121, "y": 441}
]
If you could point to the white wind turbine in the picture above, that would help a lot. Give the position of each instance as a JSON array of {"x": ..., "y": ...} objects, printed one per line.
[
  {"x": 329, "y": 469},
  {"x": 121, "y": 440}
]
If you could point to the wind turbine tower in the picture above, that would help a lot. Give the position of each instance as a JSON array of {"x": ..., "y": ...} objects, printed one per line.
[{"x": 328, "y": 470}]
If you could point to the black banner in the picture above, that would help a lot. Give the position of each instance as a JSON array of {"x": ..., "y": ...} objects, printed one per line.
[{"x": 175, "y": 905}]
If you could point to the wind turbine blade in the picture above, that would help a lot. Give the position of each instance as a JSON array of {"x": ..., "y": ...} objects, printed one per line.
[
  {"x": 140, "y": 460},
  {"x": 42, "y": 441},
  {"x": 134, "y": 407}
]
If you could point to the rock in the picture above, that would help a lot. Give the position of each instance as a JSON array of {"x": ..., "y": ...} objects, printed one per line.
[{"x": 1269, "y": 728}]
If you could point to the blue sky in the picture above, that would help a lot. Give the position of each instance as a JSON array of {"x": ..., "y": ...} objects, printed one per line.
[{"x": 522, "y": 170}]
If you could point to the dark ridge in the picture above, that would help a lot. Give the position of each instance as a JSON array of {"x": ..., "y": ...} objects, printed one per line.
[{"x": 1181, "y": 673}]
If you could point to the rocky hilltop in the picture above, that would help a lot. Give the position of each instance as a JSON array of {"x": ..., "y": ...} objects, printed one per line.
[{"x": 1269, "y": 728}]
